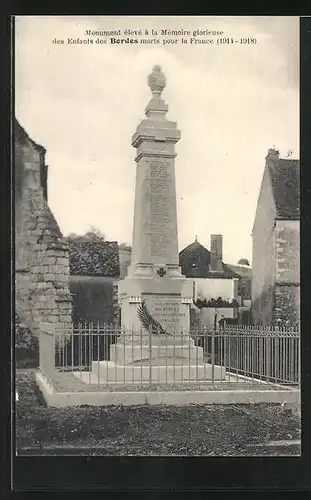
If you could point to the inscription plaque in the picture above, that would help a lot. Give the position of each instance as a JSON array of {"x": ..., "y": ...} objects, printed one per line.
[
  {"x": 166, "y": 310},
  {"x": 161, "y": 205}
]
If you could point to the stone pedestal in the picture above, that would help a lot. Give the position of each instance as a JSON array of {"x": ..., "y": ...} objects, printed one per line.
[{"x": 168, "y": 302}]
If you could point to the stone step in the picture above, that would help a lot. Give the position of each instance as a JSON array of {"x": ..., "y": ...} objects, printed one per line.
[
  {"x": 169, "y": 355},
  {"x": 107, "y": 371}
]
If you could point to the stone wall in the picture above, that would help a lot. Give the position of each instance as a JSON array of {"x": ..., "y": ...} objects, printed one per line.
[
  {"x": 288, "y": 251},
  {"x": 287, "y": 288},
  {"x": 42, "y": 255},
  {"x": 287, "y": 305}
]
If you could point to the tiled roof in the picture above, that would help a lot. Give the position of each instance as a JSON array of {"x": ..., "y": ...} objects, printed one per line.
[{"x": 285, "y": 181}]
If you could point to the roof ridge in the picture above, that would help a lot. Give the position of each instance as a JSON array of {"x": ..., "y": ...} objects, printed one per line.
[{"x": 196, "y": 243}]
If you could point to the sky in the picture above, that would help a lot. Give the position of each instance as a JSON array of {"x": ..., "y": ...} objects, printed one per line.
[{"x": 232, "y": 102}]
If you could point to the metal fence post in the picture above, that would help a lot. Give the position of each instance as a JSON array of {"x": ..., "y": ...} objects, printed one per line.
[
  {"x": 150, "y": 365},
  {"x": 213, "y": 355},
  {"x": 299, "y": 361}
]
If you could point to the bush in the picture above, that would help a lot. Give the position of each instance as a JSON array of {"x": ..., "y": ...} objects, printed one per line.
[
  {"x": 93, "y": 257},
  {"x": 92, "y": 300},
  {"x": 26, "y": 347}
]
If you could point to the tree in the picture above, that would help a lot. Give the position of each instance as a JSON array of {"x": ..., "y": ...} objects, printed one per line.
[
  {"x": 124, "y": 246},
  {"x": 244, "y": 262},
  {"x": 93, "y": 234}
]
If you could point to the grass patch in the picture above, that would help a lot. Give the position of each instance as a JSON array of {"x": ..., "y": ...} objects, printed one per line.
[{"x": 146, "y": 430}]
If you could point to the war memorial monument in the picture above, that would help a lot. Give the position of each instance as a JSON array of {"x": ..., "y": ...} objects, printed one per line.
[{"x": 155, "y": 297}]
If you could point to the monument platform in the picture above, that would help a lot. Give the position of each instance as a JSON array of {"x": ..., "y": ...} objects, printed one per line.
[{"x": 105, "y": 372}]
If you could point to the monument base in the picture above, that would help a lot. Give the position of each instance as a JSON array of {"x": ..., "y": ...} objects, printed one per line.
[
  {"x": 107, "y": 372},
  {"x": 167, "y": 301}
]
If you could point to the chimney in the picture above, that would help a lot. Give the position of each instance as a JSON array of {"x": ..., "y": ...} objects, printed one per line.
[
  {"x": 273, "y": 154},
  {"x": 216, "y": 253}
]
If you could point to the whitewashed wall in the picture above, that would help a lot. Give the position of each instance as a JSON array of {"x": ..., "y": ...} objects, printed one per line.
[
  {"x": 207, "y": 314},
  {"x": 208, "y": 288}
]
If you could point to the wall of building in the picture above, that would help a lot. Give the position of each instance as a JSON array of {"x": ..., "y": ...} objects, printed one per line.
[
  {"x": 263, "y": 259},
  {"x": 42, "y": 257},
  {"x": 287, "y": 304},
  {"x": 212, "y": 288},
  {"x": 287, "y": 289},
  {"x": 288, "y": 251}
]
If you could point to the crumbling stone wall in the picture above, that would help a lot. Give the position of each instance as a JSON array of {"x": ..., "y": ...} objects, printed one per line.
[
  {"x": 288, "y": 251},
  {"x": 286, "y": 305},
  {"x": 287, "y": 273},
  {"x": 42, "y": 254}
]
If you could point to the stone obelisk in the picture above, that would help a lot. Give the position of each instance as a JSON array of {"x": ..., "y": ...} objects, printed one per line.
[
  {"x": 155, "y": 238},
  {"x": 154, "y": 276}
]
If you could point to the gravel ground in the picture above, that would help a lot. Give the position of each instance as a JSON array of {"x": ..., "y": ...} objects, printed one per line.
[{"x": 196, "y": 430}]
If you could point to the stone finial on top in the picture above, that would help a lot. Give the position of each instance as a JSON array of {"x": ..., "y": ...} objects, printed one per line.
[{"x": 156, "y": 81}]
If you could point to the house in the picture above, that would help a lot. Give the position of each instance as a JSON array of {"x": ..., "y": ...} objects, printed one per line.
[
  {"x": 215, "y": 284},
  {"x": 276, "y": 259},
  {"x": 197, "y": 262}
]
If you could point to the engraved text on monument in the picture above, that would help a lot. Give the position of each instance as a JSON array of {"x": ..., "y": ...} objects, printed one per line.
[{"x": 161, "y": 193}]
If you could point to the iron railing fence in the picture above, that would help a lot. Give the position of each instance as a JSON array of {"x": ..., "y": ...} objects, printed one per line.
[{"x": 247, "y": 354}]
